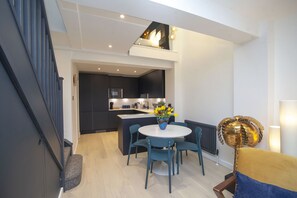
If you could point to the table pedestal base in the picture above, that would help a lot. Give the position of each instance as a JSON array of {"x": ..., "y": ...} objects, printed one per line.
[{"x": 161, "y": 168}]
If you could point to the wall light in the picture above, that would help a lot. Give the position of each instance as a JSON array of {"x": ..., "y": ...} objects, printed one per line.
[
  {"x": 288, "y": 126},
  {"x": 274, "y": 138},
  {"x": 172, "y": 33}
]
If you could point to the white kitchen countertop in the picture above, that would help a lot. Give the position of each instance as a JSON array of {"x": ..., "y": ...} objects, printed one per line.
[
  {"x": 135, "y": 116},
  {"x": 141, "y": 110},
  {"x": 143, "y": 113}
]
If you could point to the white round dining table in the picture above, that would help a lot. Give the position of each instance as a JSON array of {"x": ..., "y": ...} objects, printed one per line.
[{"x": 171, "y": 131}]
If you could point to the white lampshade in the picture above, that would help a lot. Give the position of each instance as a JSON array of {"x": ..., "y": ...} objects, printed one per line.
[
  {"x": 288, "y": 126},
  {"x": 274, "y": 138}
]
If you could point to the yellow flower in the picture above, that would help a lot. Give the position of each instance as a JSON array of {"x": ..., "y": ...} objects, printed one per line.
[
  {"x": 163, "y": 111},
  {"x": 175, "y": 115}
]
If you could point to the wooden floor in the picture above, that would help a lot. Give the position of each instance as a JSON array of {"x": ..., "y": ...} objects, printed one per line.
[{"x": 105, "y": 173}]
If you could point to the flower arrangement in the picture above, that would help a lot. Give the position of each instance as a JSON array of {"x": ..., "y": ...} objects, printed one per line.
[{"x": 163, "y": 112}]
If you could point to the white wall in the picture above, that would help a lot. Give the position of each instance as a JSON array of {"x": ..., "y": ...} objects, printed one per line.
[
  {"x": 251, "y": 81},
  {"x": 204, "y": 82},
  {"x": 169, "y": 86},
  {"x": 65, "y": 69},
  {"x": 75, "y": 107},
  {"x": 285, "y": 57},
  {"x": 265, "y": 72}
]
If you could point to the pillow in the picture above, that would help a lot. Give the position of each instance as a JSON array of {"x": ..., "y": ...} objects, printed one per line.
[{"x": 247, "y": 187}]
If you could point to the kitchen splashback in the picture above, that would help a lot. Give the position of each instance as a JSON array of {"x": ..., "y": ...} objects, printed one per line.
[{"x": 118, "y": 103}]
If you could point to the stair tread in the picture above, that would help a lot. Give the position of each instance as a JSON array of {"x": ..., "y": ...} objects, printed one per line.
[
  {"x": 67, "y": 152},
  {"x": 74, "y": 167}
]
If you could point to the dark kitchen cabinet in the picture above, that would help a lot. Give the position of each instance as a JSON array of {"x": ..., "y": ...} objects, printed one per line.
[
  {"x": 100, "y": 120},
  {"x": 131, "y": 88},
  {"x": 115, "y": 82},
  {"x": 85, "y": 93},
  {"x": 153, "y": 84},
  {"x": 128, "y": 84},
  {"x": 86, "y": 120},
  {"x": 100, "y": 93},
  {"x": 93, "y": 102},
  {"x": 113, "y": 119}
]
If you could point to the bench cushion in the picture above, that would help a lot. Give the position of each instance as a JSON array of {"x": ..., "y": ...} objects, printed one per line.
[{"x": 248, "y": 187}]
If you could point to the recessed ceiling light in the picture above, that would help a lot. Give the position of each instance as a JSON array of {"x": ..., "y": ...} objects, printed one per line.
[
  {"x": 135, "y": 71},
  {"x": 122, "y": 16},
  {"x": 110, "y": 46},
  {"x": 99, "y": 68},
  {"x": 118, "y": 70}
]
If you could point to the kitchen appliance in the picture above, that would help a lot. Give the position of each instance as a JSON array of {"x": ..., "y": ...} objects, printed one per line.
[
  {"x": 115, "y": 93},
  {"x": 111, "y": 105},
  {"x": 144, "y": 95}
]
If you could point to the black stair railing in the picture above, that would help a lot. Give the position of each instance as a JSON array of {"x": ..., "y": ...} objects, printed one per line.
[{"x": 33, "y": 26}]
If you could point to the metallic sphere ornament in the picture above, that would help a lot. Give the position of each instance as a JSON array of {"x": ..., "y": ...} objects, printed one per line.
[{"x": 240, "y": 131}]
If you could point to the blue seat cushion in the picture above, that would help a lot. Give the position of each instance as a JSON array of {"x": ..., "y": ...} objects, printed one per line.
[
  {"x": 186, "y": 146},
  {"x": 247, "y": 187},
  {"x": 141, "y": 142},
  {"x": 161, "y": 154}
]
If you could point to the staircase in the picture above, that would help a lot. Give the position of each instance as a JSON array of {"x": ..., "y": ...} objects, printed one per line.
[{"x": 73, "y": 167}]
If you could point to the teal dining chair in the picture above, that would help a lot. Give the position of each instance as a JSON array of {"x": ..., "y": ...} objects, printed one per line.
[
  {"x": 156, "y": 154},
  {"x": 134, "y": 133},
  {"x": 181, "y": 139},
  {"x": 195, "y": 147}
]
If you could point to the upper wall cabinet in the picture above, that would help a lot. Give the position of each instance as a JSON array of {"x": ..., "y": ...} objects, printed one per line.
[
  {"x": 129, "y": 85},
  {"x": 153, "y": 84}
]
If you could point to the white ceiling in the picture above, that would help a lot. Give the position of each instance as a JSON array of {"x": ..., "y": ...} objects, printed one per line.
[
  {"x": 259, "y": 10},
  {"x": 95, "y": 29},
  {"x": 92, "y": 25}
]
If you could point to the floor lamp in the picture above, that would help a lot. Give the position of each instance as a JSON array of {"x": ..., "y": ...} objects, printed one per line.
[
  {"x": 288, "y": 127},
  {"x": 274, "y": 138}
]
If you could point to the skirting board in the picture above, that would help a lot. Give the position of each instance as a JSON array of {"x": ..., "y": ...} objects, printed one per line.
[
  {"x": 61, "y": 193},
  {"x": 215, "y": 159}
]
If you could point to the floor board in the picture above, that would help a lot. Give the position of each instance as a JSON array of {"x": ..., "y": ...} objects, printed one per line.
[{"x": 105, "y": 173}]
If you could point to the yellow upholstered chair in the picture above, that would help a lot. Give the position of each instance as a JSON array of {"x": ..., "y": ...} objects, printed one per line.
[{"x": 264, "y": 167}]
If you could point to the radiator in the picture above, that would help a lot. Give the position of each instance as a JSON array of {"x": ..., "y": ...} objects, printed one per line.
[{"x": 209, "y": 137}]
